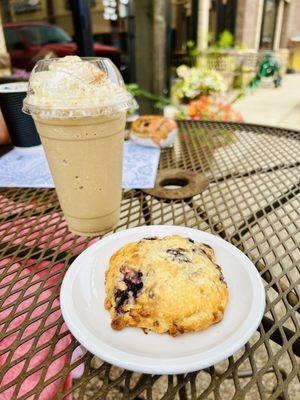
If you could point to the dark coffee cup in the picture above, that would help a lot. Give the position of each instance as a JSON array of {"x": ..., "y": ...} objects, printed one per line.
[{"x": 20, "y": 126}]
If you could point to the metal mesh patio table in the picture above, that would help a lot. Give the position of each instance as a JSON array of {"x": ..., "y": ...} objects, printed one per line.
[{"x": 250, "y": 197}]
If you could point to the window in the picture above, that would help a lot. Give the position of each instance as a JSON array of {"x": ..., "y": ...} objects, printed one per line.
[
  {"x": 226, "y": 16},
  {"x": 40, "y": 35},
  {"x": 68, "y": 4},
  {"x": 26, "y": 6},
  {"x": 13, "y": 39},
  {"x": 268, "y": 24}
]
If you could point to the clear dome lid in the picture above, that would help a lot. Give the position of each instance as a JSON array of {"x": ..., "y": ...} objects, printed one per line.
[{"x": 75, "y": 87}]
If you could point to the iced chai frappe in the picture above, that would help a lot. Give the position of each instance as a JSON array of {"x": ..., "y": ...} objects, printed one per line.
[{"x": 79, "y": 109}]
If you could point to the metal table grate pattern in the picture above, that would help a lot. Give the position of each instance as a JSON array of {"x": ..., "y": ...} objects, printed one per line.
[{"x": 252, "y": 201}]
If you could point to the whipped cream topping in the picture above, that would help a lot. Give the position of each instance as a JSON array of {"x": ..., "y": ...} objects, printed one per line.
[{"x": 71, "y": 83}]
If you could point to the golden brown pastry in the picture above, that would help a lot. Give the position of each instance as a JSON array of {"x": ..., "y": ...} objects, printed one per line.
[
  {"x": 168, "y": 285},
  {"x": 153, "y": 131}
]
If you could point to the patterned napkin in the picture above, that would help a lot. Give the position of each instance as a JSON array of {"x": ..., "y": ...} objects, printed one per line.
[
  {"x": 139, "y": 166},
  {"x": 29, "y": 168}
]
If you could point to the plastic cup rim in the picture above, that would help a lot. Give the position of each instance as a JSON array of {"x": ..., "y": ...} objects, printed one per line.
[{"x": 11, "y": 87}]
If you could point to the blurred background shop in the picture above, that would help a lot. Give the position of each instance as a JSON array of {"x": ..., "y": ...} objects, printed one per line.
[{"x": 149, "y": 39}]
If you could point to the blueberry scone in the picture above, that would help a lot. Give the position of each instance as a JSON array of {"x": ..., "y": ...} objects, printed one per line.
[{"x": 168, "y": 285}]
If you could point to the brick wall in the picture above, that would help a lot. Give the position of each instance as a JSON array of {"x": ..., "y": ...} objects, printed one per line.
[
  {"x": 291, "y": 22},
  {"x": 248, "y": 22},
  {"x": 249, "y": 18}
]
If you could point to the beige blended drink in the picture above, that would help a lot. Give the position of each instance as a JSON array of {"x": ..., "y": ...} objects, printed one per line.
[{"x": 79, "y": 108}]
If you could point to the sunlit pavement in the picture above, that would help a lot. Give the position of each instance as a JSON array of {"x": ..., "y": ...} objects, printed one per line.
[{"x": 276, "y": 107}]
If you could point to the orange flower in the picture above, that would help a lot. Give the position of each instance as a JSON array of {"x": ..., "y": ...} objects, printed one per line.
[{"x": 207, "y": 107}]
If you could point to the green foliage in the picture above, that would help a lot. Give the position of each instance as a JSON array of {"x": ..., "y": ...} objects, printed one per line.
[
  {"x": 190, "y": 44},
  {"x": 239, "y": 95},
  {"x": 192, "y": 52},
  {"x": 226, "y": 40},
  {"x": 159, "y": 101}
]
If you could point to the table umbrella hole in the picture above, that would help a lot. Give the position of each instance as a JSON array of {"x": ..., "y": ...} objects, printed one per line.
[{"x": 174, "y": 183}]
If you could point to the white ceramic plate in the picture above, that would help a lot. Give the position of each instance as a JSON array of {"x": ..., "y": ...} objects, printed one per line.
[{"x": 82, "y": 299}]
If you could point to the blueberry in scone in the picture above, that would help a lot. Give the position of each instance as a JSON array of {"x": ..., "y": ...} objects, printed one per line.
[{"x": 168, "y": 285}]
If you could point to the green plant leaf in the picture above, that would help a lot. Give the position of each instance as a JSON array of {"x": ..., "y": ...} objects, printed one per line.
[{"x": 226, "y": 40}]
